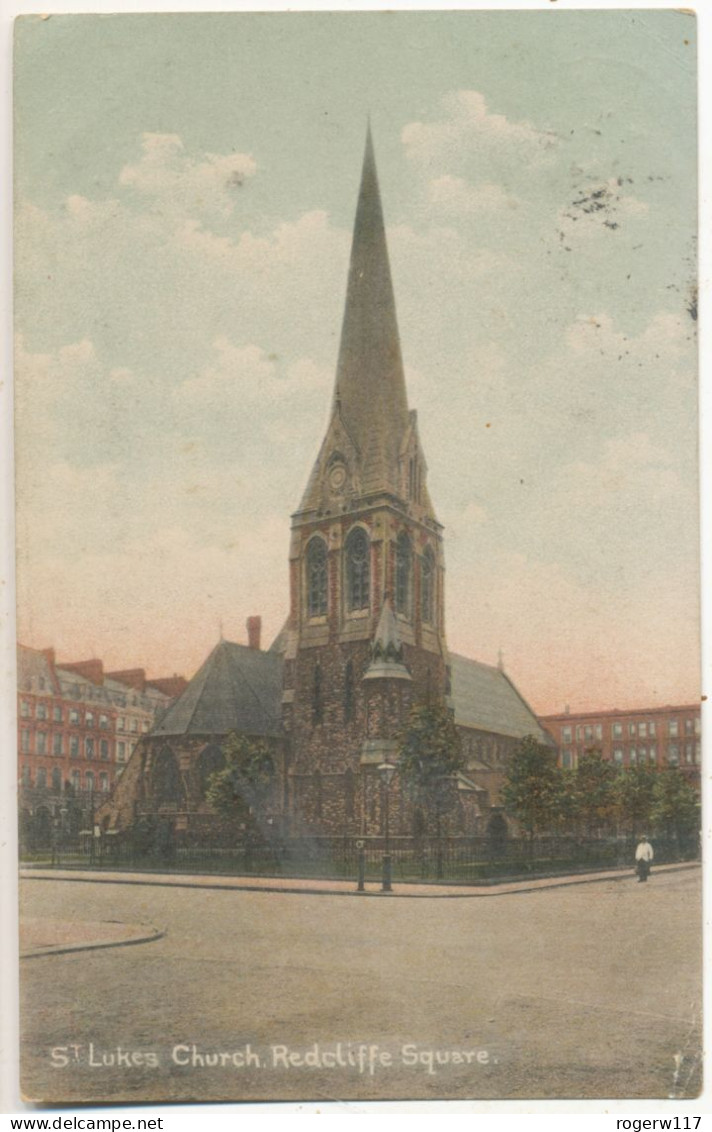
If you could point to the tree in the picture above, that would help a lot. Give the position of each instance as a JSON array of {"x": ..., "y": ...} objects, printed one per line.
[
  {"x": 531, "y": 791},
  {"x": 430, "y": 755},
  {"x": 633, "y": 793},
  {"x": 675, "y": 809},
  {"x": 244, "y": 783},
  {"x": 594, "y": 788}
]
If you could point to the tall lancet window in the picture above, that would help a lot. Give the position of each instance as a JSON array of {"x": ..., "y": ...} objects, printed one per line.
[
  {"x": 427, "y": 586},
  {"x": 357, "y": 569},
  {"x": 317, "y": 592},
  {"x": 404, "y": 563}
]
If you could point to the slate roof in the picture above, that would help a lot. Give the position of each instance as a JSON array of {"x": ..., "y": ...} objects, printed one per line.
[
  {"x": 237, "y": 689},
  {"x": 485, "y": 698}
]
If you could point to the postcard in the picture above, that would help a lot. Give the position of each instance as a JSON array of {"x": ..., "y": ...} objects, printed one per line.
[{"x": 358, "y": 699}]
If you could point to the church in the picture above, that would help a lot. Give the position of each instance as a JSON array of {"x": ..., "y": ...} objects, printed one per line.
[{"x": 365, "y": 637}]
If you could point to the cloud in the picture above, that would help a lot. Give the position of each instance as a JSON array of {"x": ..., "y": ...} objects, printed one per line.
[
  {"x": 43, "y": 383},
  {"x": 235, "y": 374},
  {"x": 631, "y": 471},
  {"x": 246, "y": 375},
  {"x": 455, "y": 194},
  {"x": 179, "y": 183},
  {"x": 468, "y": 123}
]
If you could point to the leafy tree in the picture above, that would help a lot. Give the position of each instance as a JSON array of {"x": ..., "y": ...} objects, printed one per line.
[
  {"x": 565, "y": 802},
  {"x": 246, "y": 779},
  {"x": 594, "y": 789},
  {"x": 675, "y": 809},
  {"x": 633, "y": 793},
  {"x": 430, "y": 754},
  {"x": 531, "y": 791}
]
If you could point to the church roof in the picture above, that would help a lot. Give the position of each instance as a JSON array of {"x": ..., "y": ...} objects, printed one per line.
[
  {"x": 484, "y": 698},
  {"x": 237, "y": 689}
]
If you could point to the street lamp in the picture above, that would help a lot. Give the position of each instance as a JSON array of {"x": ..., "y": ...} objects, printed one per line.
[{"x": 386, "y": 771}]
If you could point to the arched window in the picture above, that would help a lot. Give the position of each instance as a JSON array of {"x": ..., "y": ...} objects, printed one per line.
[
  {"x": 317, "y": 591},
  {"x": 210, "y": 761},
  {"x": 317, "y": 700},
  {"x": 427, "y": 586},
  {"x": 89, "y": 780},
  {"x": 404, "y": 559},
  {"x": 357, "y": 569},
  {"x": 349, "y": 691}
]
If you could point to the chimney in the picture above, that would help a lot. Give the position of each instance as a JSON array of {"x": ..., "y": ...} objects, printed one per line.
[{"x": 254, "y": 632}]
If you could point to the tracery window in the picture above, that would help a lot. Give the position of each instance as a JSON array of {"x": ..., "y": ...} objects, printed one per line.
[
  {"x": 357, "y": 569},
  {"x": 317, "y": 591},
  {"x": 404, "y": 559},
  {"x": 427, "y": 586}
]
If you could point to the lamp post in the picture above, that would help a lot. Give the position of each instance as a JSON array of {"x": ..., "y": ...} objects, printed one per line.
[{"x": 386, "y": 771}]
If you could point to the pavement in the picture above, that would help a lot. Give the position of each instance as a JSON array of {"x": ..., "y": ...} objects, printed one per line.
[
  {"x": 41, "y": 936},
  {"x": 336, "y": 887},
  {"x": 44, "y": 935}
]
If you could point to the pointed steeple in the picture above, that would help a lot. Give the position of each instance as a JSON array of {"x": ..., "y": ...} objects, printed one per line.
[
  {"x": 369, "y": 375},
  {"x": 386, "y": 649},
  {"x": 371, "y": 434}
]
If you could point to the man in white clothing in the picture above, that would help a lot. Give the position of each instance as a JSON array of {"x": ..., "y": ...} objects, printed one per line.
[{"x": 643, "y": 857}]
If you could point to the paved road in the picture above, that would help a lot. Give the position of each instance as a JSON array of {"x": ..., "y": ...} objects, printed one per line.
[{"x": 589, "y": 991}]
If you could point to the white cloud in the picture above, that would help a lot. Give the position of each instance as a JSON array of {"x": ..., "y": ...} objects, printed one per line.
[
  {"x": 457, "y": 195},
  {"x": 182, "y": 184},
  {"x": 235, "y": 374},
  {"x": 469, "y": 123},
  {"x": 243, "y": 374},
  {"x": 630, "y": 472}
]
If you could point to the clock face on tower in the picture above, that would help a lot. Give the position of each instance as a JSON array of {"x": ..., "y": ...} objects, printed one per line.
[{"x": 337, "y": 478}]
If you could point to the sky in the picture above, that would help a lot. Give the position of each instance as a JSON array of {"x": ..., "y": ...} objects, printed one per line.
[{"x": 185, "y": 191}]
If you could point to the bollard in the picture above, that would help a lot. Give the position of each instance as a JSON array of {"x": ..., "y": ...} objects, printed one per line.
[{"x": 386, "y": 873}]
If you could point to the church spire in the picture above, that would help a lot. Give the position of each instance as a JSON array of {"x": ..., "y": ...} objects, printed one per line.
[{"x": 369, "y": 375}]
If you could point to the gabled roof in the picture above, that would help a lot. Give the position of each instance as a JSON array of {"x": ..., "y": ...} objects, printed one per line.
[
  {"x": 485, "y": 698},
  {"x": 237, "y": 689}
]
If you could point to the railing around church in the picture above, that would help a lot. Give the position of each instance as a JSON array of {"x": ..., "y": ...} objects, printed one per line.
[{"x": 452, "y": 860}]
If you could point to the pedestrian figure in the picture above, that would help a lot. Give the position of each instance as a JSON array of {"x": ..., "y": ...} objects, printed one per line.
[{"x": 643, "y": 857}]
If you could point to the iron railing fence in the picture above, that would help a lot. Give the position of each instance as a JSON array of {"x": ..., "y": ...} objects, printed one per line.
[{"x": 452, "y": 860}]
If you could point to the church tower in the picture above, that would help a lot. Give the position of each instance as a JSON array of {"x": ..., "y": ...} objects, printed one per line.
[{"x": 366, "y": 635}]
